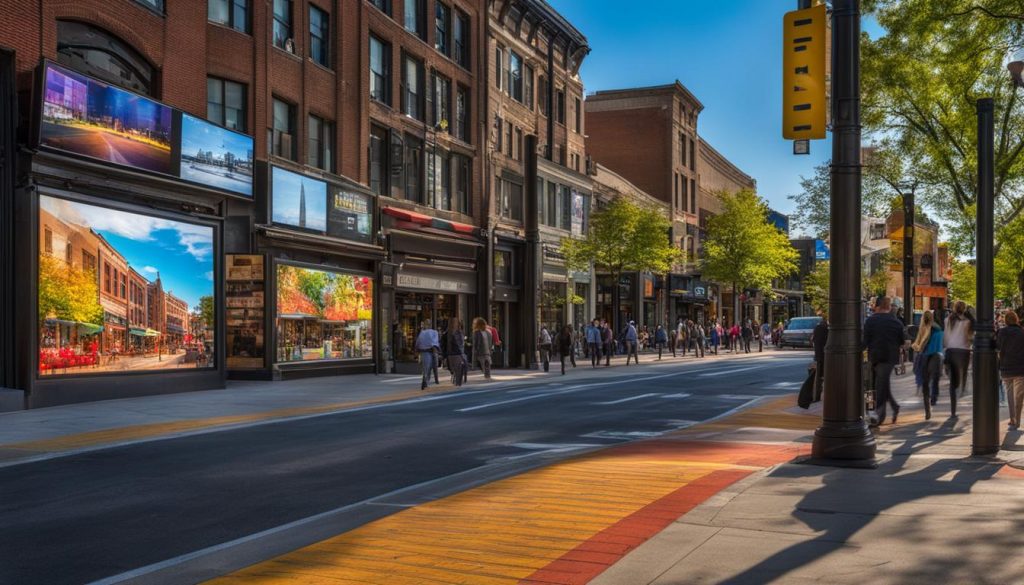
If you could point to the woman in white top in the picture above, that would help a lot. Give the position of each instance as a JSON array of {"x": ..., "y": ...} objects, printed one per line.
[{"x": 958, "y": 340}]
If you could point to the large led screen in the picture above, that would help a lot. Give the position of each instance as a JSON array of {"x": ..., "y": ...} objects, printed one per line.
[
  {"x": 298, "y": 200},
  {"x": 215, "y": 156},
  {"x": 122, "y": 292},
  {"x": 323, "y": 315},
  {"x": 88, "y": 117},
  {"x": 350, "y": 216}
]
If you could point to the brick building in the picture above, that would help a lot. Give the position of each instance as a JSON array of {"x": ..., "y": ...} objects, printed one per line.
[{"x": 536, "y": 186}]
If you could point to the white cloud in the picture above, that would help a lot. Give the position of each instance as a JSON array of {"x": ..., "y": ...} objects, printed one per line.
[
  {"x": 209, "y": 275},
  {"x": 149, "y": 270}
]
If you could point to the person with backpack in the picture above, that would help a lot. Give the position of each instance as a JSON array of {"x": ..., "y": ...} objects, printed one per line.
[
  {"x": 928, "y": 359},
  {"x": 1010, "y": 343},
  {"x": 544, "y": 345},
  {"x": 660, "y": 339},
  {"x": 629, "y": 342},
  {"x": 455, "y": 348},
  {"x": 958, "y": 341},
  {"x": 482, "y": 346},
  {"x": 565, "y": 350}
]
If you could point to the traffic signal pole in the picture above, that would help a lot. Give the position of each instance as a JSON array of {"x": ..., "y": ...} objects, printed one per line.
[{"x": 843, "y": 437}]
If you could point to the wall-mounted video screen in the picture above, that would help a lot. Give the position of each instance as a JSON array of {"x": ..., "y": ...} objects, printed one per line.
[
  {"x": 215, "y": 156},
  {"x": 298, "y": 200},
  {"x": 350, "y": 215}
]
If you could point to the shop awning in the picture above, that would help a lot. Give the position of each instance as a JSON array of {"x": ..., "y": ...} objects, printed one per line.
[
  {"x": 428, "y": 221},
  {"x": 83, "y": 328},
  {"x": 175, "y": 329},
  {"x": 143, "y": 332},
  {"x": 297, "y": 316}
]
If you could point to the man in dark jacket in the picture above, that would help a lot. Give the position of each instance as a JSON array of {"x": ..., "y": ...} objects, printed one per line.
[
  {"x": 884, "y": 334},
  {"x": 1010, "y": 342},
  {"x": 818, "y": 338}
]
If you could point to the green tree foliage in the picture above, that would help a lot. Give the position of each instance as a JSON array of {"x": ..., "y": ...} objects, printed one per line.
[
  {"x": 312, "y": 284},
  {"x": 963, "y": 282},
  {"x": 882, "y": 177},
  {"x": 1009, "y": 261},
  {"x": 920, "y": 82},
  {"x": 205, "y": 310},
  {"x": 743, "y": 248},
  {"x": 816, "y": 287},
  {"x": 67, "y": 292}
]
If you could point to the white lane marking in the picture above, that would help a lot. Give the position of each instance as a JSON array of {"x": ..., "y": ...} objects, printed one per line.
[
  {"x": 735, "y": 396},
  {"x": 785, "y": 385},
  {"x": 732, "y": 371},
  {"x": 621, "y": 400},
  {"x": 499, "y": 403},
  {"x": 680, "y": 395},
  {"x": 402, "y": 379}
]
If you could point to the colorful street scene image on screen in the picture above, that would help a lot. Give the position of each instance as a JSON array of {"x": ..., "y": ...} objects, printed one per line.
[
  {"x": 122, "y": 292},
  {"x": 323, "y": 315},
  {"x": 215, "y": 156},
  {"x": 91, "y": 118},
  {"x": 299, "y": 201}
]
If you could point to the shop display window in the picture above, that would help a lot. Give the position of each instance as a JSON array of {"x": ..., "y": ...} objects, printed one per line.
[
  {"x": 245, "y": 303},
  {"x": 323, "y": 315}
]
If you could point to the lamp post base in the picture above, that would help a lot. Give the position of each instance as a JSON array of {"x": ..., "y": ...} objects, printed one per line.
[{"x": 844, "y": 444}]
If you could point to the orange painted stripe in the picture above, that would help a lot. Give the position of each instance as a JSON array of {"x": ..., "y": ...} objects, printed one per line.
[{"x": 595, "y": 555}]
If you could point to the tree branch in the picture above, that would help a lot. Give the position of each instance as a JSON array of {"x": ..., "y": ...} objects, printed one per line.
[{"x": 989, "y": 13}]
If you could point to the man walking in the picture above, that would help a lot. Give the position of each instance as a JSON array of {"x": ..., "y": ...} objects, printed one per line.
[
  {"x": 884, "y": 334},
  {"x": 594, "y": 342},
  {"x": 427, "y": 343},
  {"x": 818, "y": 339},
  {"x": 629, "y": 339},
  {"x": 608, "y": 339}
]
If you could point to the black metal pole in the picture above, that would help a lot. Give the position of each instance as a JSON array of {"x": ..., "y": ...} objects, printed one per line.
[
  {"x": 908, "y": 258},
  {"x": 986, "y": 401},
  {"x": 843, "y": 437},
  {"x": 532, "y": 283}
]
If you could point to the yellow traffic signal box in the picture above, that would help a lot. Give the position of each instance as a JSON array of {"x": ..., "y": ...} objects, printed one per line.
[{"x": 804, "y": 102}]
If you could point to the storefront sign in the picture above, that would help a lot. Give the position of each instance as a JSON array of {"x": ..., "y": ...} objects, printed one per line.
[
  {"x": 431, "y": 283},
  {"x": 821, "y": 251},
  {"x": 577, "y": 213},
  {"x": 350, "y": 216}
]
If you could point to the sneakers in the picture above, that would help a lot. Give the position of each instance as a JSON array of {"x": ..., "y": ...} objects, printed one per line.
[
  {"x": 895, "y": 413},
  {"x": 1011, "y": 427}
]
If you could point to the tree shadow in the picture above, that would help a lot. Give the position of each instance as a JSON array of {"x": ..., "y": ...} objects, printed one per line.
[{"x": 837, "y": 524}]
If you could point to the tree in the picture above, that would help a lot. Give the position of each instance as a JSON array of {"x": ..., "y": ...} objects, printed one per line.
[
  {"x": 963, "y": 282},
  {"x": 742, "y": 248},
  {"x": 921, "y": 80},
  {"x": 67, "y": 292},
  {"x": 205, "y": 310},
  {"x": 816, "y": 287},
  {"x": 1009, "y": 261},
  {"x": 623, "y": 237},
  {"x": 812, "y": 206}
]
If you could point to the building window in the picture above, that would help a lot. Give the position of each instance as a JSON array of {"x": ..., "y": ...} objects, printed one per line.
[
  {"x": 283, "y": 25},
  {"x": 461, "y": 172},
  {"x": 380, "y": 71},
  {"x": 232, "y": 13},
  {"x": 542, "y": 95},
  {"x": 413, "y": 169},
  {"x": 510, "y": 199},
  {"x": 462, "y": 114},
  {"x": 518, "y": 146},
  {"x": 693, "y": 156},
  {"x": 550, "y": 216},
  {"x": 560, "y": 107},
  {"x": 442, "y": 102},
  {"x": 379, "y": 160},
  {"x": 508, "y": 138},
  {"x": 95, "y": 52},
  {"x": 282, "y": 138},
  {"x": 320, "y": 153},
  {"x": 578, "y": 123},
  {"x": 48, "y": 241},
  {"x": 439, "y": 180},
  {"x": 515, "y": 76},
  {"x": 499, "y": 125},
  {"x": 693, "y": 196},
  {"x": 154, "y": 5},
  {"x": 412, "y": 88},
  {"x": 528, "y": 86},
  {"x": 461, "y": 23},
  {"x": 574, "y": 162},
  {"x": 106, "y": 277},
  {"x": 225, "y": 103},
  {"x": 382, "y": 5},
  {"x": 319, "y": 37},
  {"x": 682, "y": 149},
  {"x": 442, "y": 27},
  {"x": 414, "y": 17},
  {"x": 88, "y": 262},
  {"x": 124, "y": 285},
  {"x": 503, "y": 267},
  {"x": 499, "y": 66}
]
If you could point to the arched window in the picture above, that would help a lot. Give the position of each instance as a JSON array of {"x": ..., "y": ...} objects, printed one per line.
[{"x": 96, "y": 52}]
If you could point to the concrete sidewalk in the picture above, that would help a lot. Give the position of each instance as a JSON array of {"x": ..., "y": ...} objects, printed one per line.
[
  {"x": 929, "y": 514},
  {"x": 34, "y": 434}
]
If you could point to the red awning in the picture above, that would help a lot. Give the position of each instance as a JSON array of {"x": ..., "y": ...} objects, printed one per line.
[
  {"x": 405, "y": 214},
  {"x": 427, "y": 221}
]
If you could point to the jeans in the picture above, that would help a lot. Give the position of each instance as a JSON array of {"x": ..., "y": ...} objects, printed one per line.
[
  {"x": 427, "y": 365},
  {"x": 567, "y": 354},
  {"x": 545, "y": 355},
  {"x": 883, "y": 390},
  {"x": 595, "y": 353},
  {"x": 699, "y": 346},
  {"x": 484, "y": 361},
  {"x": 1014, "y": 397},
  {"x": 631, "y": 352},
  {"x": 958, "y": 362},
  {"x": 819, "y": 379},
  {"x": 457, "y": 364}
]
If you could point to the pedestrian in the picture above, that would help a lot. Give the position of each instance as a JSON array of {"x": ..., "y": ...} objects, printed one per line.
[
  {"x": 456, "y": 350},
  {"x": 629, "y": 340},
  {"x": 672, "y": 334},
  {"x": 716, "y": 335},
  {"x": 818, "y": 339},
  {"x": 1010, "y": 343},
  {"x": 496, "y": 343},
  {"x": 747, "y": 333},
  {"x": 608, "y": 339},
  {"x": 734, "y": 337},
  {"x": 757, "y": 335},
  {"x": 883, "y": 337},
  {"x": 427, "y": 345},
  {"x": 594, "y": 342},
  {"x": 544, "y": 344},
  {"x": 482, "y": 346},
  {"x": 766, "y": 333},
  {"x": 660, "y": 339},
  {"x": 958, "y": 341},
  {"x": 564, "y": 345},
  {"x": 927, "y": 348}
]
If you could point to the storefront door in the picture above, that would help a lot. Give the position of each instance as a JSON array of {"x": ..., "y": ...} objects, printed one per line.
[{"x": 415, "y": 308}]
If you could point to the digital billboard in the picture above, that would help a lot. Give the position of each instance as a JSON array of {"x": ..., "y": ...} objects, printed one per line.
[
  {"x": 215, "y": 156},
  {"x": 298, "y": 200},
  {"x": 350, "y": 215},
  {"x": 323, "y": 314},
  {"x": 122, "y": 292},
  {"x": 84, "y": 116}
]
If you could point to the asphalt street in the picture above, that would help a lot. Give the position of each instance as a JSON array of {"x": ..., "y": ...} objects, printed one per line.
[{"x": 91, "y": 516}]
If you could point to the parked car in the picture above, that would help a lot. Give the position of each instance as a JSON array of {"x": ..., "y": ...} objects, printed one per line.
[{"x": 798, "y": 332}]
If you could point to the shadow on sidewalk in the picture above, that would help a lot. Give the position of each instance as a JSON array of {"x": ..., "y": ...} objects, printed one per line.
[{"x": 850, "y": 499}]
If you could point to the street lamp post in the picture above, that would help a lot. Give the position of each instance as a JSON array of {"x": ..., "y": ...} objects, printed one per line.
[
  {"x": 908, "y": 254},
  {"x": 843, "y": 437},
  {"x": 985, "y": 432}
]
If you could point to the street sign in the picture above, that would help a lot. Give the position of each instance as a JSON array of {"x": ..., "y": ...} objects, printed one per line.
[{"x": 803, "y": 74}]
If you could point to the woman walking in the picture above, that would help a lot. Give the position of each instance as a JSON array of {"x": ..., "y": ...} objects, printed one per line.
[
  {"x": 958, "y": 340},
  {"x": 456, "y": 350},
  {"x": 565, "y": 347},
  {"x": 928, "y": 360},
  {"x": 1010, "y": 343},
  {"x": 482, "y": 346}
]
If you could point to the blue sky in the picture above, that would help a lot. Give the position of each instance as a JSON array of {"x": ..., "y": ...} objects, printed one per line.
[
  {"x": 285, "y": 191},
  {"x": 729, "y": 54},
  {"x": 198, "y": 134}
]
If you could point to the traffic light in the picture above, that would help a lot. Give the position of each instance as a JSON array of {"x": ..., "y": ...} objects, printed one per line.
[{"x": 803, "y": 78}]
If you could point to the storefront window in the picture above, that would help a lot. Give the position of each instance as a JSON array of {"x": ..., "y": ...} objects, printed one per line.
[
  {"x": 323, "y": 315},
  {"x": 85, "y": 328},
  {"x": 552, "y": 308}
]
